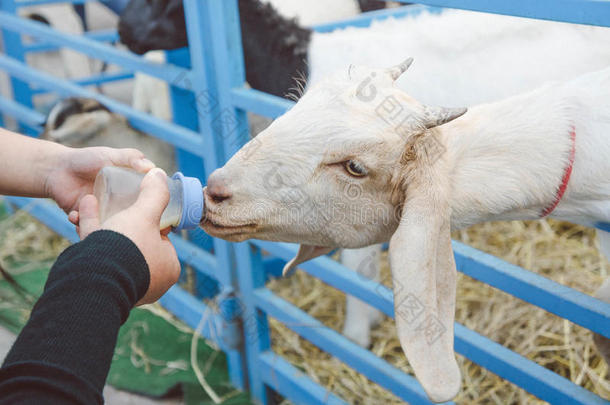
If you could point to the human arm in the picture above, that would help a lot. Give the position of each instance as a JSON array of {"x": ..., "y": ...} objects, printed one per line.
[
  {"x": 32, "y": 167},
  {"x": 63, "y": 354}
]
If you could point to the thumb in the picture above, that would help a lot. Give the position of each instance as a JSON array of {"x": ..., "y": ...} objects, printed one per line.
[
  {"x": 88, "y": 219},
  {"x": 154, "y": 195}
]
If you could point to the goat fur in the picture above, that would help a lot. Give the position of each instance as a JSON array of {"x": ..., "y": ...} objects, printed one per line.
[{"x": 500, "y": 161}]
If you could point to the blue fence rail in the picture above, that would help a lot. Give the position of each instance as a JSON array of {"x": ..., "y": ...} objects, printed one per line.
[{"x": 212, "y": 66}]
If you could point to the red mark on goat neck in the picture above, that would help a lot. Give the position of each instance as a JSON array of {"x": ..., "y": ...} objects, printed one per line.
[{"x": 566, "y": 177}]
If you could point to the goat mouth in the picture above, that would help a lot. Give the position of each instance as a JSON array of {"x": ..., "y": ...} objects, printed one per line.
[{"x": 217, "y": 229}]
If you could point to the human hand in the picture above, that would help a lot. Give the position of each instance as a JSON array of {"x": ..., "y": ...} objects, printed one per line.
[
  {"x": 140, "y": 223},
  {"x": 74, "y": 171}
]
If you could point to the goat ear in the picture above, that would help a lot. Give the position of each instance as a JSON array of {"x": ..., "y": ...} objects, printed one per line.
[
  {"x": 396, "y": 71},
  {"x": 305, "y": 253},
  {"x": 435, "y": 116},
  {"x": 424, "y": 279}
]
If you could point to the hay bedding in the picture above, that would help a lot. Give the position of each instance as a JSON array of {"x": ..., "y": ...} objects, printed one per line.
[
  {"x": 26, "y": 244},
  {"x": 563, "y": 252}
]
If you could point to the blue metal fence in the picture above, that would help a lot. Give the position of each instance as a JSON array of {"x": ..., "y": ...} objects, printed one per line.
[{"x": 209, "y": 103}]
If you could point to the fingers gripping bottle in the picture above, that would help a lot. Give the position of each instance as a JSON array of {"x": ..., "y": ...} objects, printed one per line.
[{"x": 116, "y": 189}]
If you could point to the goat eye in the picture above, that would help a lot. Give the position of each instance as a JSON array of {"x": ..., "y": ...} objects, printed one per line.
[{"x": 355, "y": 169}]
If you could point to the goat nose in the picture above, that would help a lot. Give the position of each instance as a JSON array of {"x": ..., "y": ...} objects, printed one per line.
[{"x": 217, "y": 189}]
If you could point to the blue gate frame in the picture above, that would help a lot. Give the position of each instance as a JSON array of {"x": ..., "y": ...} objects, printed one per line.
[{"x": 209, "y": 102}]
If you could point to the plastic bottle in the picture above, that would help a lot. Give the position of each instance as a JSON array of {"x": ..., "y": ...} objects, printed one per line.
[{"x": 118, "y": 188}]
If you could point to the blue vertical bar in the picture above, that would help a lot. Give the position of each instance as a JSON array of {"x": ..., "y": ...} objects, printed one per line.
[
  {"x": 224, "y": 53},
  {"x": 227, "y": 72},
  {"x": 257, "y": 337},
  {"x": 184, "y": 113},
  {"x": 13, "y": 47},
  {"x": 206, "y": 33}
]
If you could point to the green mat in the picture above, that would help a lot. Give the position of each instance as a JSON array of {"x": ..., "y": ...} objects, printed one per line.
[{"x": 152, "y": 356}]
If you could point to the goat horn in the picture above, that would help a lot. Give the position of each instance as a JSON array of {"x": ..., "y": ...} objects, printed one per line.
[
  {"x": 435, "y": 116},
  {"x": 396, "y": 71}
]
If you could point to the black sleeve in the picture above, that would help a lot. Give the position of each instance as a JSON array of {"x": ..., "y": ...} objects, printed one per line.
[{"x": 63, "y": 353}]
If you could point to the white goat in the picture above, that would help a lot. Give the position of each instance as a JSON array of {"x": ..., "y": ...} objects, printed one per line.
[
  {"x": 539, "y": 153},
  {"x": 519, "y": 54},
  {"x": 83, "y": 122}
]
